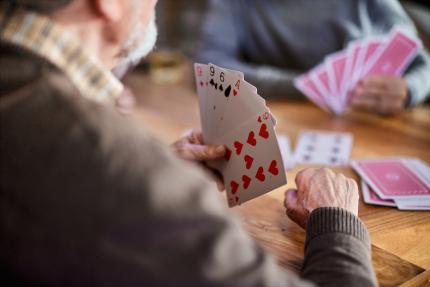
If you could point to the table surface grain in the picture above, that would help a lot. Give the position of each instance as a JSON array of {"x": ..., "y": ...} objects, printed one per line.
[{"x": 400, "y": 239}]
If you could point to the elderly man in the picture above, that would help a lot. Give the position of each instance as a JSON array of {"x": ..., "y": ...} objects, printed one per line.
[
  {"x": 89, "y": 198},
  {"x": 274, "y": 41}
]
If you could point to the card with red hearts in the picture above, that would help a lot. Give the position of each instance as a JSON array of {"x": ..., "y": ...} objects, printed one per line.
[
  {"x": 233, "y": 114},
  {"x": 253, "y": 165}
]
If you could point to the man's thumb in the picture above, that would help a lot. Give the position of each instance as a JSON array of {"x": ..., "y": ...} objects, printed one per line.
[{"x": 291, "y": 199}]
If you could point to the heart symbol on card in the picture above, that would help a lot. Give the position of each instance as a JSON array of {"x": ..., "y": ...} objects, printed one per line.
[
  {"x": 249, "y": 160},
  {"x": 234, "y": 93},
  {"x": 251, "y": 139},
  {"x": 238, "y": 146},
  {"x": 260, "y": 174},
  {"x": 246, "y": 181},
  {"x": 259, "y": 119},
  {"x": 273, "y": 169},
  {"x": 234, "y": 186},
  {"x": 227, "y": 154},
  {"x": 227, "y": 91},
  {"x": 263, "y": 131}
]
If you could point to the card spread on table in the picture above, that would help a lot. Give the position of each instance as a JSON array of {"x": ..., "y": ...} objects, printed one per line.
[
  {"x": 234, "y": 115},
  {"x": 326, "y": 148},
  {"x": 330, "y": 83},
  {"x": 286, "y": 152},
  {"x": 404, "y": 181}
]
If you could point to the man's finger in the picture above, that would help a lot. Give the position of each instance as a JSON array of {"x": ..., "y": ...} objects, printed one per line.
[
  {"x": 367, "y": 103},
  {"x": 205, "y": 153},
  {"x": 378, "y": 82},
  {"x": 290, "y": 199},
  {"x": 303, "y": 177},
  {"x": 294, "y": 211}
]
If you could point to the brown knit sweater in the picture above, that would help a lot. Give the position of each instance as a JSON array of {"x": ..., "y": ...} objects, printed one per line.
[{"x": 88, "y": 198}]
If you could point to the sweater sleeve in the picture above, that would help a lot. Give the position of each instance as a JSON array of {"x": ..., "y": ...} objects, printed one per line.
[
  {"x": 221, "y": 45},
  {"x": 337, "y": 250}
]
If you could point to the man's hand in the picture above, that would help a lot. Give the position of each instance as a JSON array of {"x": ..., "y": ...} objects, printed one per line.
[
  {"x": 320, "y": 188},
  {"x": 192, "y": 148},
  {"x": 386, "y": 95}
]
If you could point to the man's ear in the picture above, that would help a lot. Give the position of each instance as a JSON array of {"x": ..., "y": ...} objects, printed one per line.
[{"x": 111, "y": 10}]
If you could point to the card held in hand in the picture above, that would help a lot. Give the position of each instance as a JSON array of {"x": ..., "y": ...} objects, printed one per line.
[
  {"x": 234, "y": 115},
  {"x": 254, "y": 165}
]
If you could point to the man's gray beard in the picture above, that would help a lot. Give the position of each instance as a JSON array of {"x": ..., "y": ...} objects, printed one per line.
[
  {"x": 134, "y": 50},
  {"x": 142, "y": 48}
]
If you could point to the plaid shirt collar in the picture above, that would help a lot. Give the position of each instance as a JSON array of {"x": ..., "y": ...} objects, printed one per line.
[{"x": 38, "y": 34}]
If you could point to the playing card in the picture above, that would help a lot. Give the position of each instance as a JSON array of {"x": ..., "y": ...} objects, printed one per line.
[
  {"x": 321, "y": 80},
  {"x": 329, "y": 84},
  {"x": 325, "y": 148},
  {"x": 393, "y": 178},
  {"x": 221, "y": 86},
  {"x": 286, "y": 153},
  {"x": 230, "y": 93},
  {"x": 353, "y": 51},
  {"x": 307, "y": 86},
  {"x": 370, "y": 197},
  {"x": 336, "y": 66},
  {"x": 253, "y": 164},
  {"x": 405, "y": 206},
  {"x": 395, "y": 56},
  {"x": 200, "y": 74}
]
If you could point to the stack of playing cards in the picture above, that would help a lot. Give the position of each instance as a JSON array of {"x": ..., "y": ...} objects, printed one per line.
[
  {"x": 399, "y": 182},
  {"x": 234, "y": 115},
  {"x": 329, "y": 84}
]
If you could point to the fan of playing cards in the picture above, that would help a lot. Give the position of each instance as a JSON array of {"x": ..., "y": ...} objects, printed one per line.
[
  {"x": 233, "y": 114},
  {"x": 399, "y": 182},
  {"x": 328, "y": 85}
]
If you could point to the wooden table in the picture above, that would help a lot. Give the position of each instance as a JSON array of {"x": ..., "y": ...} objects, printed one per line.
[{"x": 400, "y": 239}]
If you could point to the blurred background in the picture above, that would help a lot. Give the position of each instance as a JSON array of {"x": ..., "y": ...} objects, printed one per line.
[{"x": 180, "y": 22}]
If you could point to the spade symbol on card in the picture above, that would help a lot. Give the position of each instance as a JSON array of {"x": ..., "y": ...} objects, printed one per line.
[
  {"x": 221, "y": 88},
  {"x": 227, "y": 92},
  {"x": 213, "y": 84}
]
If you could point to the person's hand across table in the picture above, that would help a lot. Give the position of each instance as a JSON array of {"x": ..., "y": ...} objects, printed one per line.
[
  {"x": 320, "y": 188},
  {"x": 192, "y": 148},
  {"x": 386, "y": 95}
]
